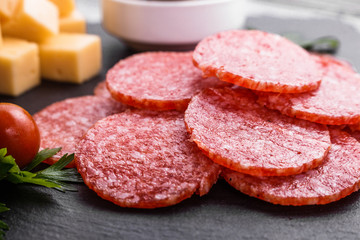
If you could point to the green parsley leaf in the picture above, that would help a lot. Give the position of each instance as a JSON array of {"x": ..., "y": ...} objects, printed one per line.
[
  {"x": 66, "y": 175},
  {"x": 322, "y": 45},
  {"x": 3, "y": 152},
  {"x": 3, "y": 208},
  {"x": 60, "y": 164},
  {"x": 40, "y": 157},
  {"x": 53, "y": 177},
  {"x": 326, "y": 44},
  {"x": 64, "y": 186},
  {"x": 57, "y": 175},
  {"x": 28, "y": 177},
  {"x": 3, "y": 226},
  {"x": 7, "y": 163}
]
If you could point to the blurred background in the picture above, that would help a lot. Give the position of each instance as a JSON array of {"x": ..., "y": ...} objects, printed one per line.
[{"x": 345, "y": 10}]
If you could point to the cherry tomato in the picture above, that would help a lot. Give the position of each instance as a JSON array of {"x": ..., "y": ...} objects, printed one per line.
[{"x": 18, "y": 133}]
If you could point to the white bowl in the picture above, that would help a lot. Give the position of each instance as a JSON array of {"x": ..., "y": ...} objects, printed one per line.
[{"x": 170, "y": 25}]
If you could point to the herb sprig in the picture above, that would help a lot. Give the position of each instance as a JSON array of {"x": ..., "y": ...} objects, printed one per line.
[
  {"x": 322, "y": 45},
  {"x": 3, "y": 226},
  {"x": 54, "y": 176},
  {"x": 325, "y": 44}
]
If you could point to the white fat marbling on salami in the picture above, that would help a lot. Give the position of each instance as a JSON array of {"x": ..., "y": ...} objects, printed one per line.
[
  {"x": 63, "y": 123},
  {"x": 257, "y": 60},
  {"x": 335, "y": 102},
  {"x": 157, "y": 80},
  {"x": 144, "y": 159},
  {"x": 336, "y": 178},
  {"x": 236, "y": 132},
  {"x": 101, "y": 91}
]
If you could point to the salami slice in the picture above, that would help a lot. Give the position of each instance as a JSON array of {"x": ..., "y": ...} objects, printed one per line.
[
  {"x": 257, "y": 60},
  {"x": 101, "y": 90},
  {"x": 144, "y": 159},
  {"x": 326, "y": 60},
  {"x": 336, "y": 102},
  {"x": 157, "y": 80},
  {"x": 236, "y": 132},
  {"x": 336, "y": 178},
  {"x": 63, "y": 123}
]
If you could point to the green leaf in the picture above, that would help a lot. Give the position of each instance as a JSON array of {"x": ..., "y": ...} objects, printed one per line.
[
  {"x": 6, "y": 163},
  {"x": 3, "y": 152},
  {"x": 57, "y": 175},
  {"x": 3, "y": 226},
  {"x": 40, "y": 157},
  {"x": 322, "y": 45},
  {"x": 63, "y": 161},
  {"x": 15, "y": 168},
  {"x": 4, "y": 168},
  {"x": 65, "y": 187},
  {"x": 326, "y": 44},
  {"x": 19, "y": 177},
  {"x": 30, "y": 178},
  {"x": 51, "y": 177},
  {"x": 66, "y": 175},
  {"x": 3, "y": 208}
]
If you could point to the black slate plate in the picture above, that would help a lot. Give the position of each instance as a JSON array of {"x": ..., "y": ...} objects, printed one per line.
[{"x": 40, "y": 213}]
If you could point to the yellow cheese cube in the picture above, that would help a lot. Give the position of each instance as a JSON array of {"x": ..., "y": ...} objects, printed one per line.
[
  {"x": 19, "y": 66},
  {"x": 8, "y": 8},
  {"x": 74, "y": 23},
  {"x": 70, "y": 57},
  {"x": 66, "y": 7},
  {"x": 35, "y": 21}
]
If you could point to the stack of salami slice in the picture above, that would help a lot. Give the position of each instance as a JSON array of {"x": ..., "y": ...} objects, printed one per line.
[{"x": 249, "y": 106}]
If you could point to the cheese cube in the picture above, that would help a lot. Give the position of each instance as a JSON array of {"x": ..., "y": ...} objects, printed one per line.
[
  {"x": 66, "y": 7},
  {"x": 74, "y": 23},
  {"x": 35, "y": 21},
  {"x": 19, "y": 66},
  {"x": 70, "y": 57},
  {"x": 8, "y": 8}
]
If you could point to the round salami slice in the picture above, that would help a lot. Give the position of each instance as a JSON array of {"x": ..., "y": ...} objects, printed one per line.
[
  {"x": 157, "y": 80},
  {"x": 63, "y": 123},
  {"x": 234, "y": 131},
  {"x": 101, "y": 90},
  {"x": 326, "y": 60},
  {"x": 257, "y": 60},
  {"x": 336, "y": 102},
  {"x": 144, "y": 159},
  {"x": 336, "y": 178}
]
